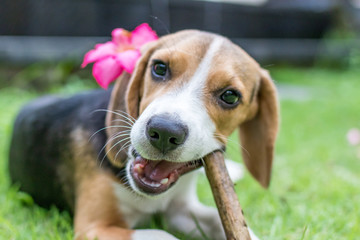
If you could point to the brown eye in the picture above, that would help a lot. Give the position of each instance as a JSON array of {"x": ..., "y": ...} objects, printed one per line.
[
  {"x": 159, "y": 70},
  {"x": 230, "y": 97}
]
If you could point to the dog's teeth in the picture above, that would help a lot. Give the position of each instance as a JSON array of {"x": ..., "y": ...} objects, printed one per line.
[
  {"x": 150, "y": 183},
  {"x": 153, "y": 184},
  {"x": 138, "y": 168},
  {"x": 164, "y": 181}
]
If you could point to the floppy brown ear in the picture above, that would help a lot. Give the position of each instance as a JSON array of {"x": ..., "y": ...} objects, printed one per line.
[
  {"x": 124, "y": 102},
  {"x": 258, "y": 134},
  {"x": 117, "y": 122},
  {"x": 135, "y": 89}
]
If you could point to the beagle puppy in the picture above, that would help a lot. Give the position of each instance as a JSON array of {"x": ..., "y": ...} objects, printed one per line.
[{"x": 116, "y": 157}]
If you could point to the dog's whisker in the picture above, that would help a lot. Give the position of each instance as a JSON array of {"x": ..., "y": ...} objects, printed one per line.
[
  {"x": 203, "y": 162},
  {"x": 126, "y": 120},
  {"x": 117, "y": 143},
  {"x": 122, "y": 126},
  {"x": 122, "y": 131},
  {"x": 127, "y": 115},
  {"x": 126, "y": 124},
  {"x": 120, "y": 120},
  {"x": 116, "y": 113},
  {"x": 125, "y": 180},
  {"x": 101, "y": 129},
  {"x": 114, "y": 136},
  {"x": 232, "y": 143},
  {"x": 124, "y": 115},
  {"x": 125, "y": 145},
  {"x": 221, "y": 137},
  {"x": 111, "y": 138}
]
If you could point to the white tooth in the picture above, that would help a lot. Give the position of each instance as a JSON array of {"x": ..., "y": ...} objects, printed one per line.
[
  {"x": 153, "y": 184},
  {"x": 138, "y": 168},
  {"x": 164, "y": 181}
]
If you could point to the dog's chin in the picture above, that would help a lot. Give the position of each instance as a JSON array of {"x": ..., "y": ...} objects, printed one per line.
[{"x": 156, "y": 177}]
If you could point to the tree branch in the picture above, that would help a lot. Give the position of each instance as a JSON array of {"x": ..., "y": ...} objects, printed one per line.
[{"x": 227, "y": 202}]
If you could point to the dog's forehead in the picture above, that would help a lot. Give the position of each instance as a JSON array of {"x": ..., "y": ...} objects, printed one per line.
[
  {"x": 233, "y": 66},
  {"x": 189, "y": 42},
  {"x": 183, "y": 51},
  {"x": 186, "y": 50}
]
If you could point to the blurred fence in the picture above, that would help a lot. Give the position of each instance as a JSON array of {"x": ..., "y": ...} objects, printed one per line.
[{"x": 274, "y": 30}]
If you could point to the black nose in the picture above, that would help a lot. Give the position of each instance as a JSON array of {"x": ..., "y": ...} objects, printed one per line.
[{"x": 165, "y": 132}]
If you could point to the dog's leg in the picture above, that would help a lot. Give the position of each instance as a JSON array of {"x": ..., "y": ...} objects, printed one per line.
[
  {"x": 187, "y": 214},
  {"x": 96, "y": 212},
  {"x": 97, "y": 215}
]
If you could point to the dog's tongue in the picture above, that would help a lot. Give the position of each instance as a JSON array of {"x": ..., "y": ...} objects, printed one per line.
[
  {"x": 158, "y": 170},
  {"x": 155, "y": 177}
]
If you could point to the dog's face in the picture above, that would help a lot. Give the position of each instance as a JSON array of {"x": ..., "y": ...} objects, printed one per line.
[{"x": 188, "y": 93}]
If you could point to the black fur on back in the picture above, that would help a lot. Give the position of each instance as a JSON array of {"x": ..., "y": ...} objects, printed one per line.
[{"x": 41, "y": 139}]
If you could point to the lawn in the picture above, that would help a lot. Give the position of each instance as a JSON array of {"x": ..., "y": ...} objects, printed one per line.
[{"x": 314, "y": 193}]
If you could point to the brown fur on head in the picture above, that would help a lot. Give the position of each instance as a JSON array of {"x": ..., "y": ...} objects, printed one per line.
[{"x": 256, "y": 116}]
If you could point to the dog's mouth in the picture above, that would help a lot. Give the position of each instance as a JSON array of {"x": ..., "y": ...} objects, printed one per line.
[{"x": 155, "y": 177}]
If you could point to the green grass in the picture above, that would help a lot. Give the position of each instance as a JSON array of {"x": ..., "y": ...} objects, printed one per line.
[{"x": 314, "y": 192}]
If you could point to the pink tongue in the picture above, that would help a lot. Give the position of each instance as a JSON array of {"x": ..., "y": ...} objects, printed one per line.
[{"x": 158, "y": 170}]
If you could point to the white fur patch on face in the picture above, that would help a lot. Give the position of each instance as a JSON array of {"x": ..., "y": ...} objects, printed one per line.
[{"x": 185, "y": 104}]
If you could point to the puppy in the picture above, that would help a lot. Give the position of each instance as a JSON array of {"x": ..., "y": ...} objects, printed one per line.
[{"x": 116, "y": 157}]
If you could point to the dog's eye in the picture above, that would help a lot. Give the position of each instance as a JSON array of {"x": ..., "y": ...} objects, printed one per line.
[
  {"x": 159, "y": 70},
  {"x": 230, "y": 97}
]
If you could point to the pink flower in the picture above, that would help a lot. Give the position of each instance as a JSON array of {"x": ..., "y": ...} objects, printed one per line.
[
  {"x": 113, "y": 57},
  {"x": 353, "y": 136}
]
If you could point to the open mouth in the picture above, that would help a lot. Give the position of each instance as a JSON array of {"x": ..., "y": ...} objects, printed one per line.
[{"x": 154, "y": 177}]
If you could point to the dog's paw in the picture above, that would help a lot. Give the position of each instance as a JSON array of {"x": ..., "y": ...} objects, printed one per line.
[{"x": 152, "y": 234}]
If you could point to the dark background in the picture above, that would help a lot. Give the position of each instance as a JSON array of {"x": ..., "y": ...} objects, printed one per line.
[{"x": 278, "y": 30}]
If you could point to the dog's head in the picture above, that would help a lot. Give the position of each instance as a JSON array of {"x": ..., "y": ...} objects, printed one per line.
[{"x": 189, "y": 91}]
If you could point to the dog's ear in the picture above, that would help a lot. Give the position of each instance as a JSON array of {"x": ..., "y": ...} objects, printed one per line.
[
  {"x": 135, "y": 88},
  {"x": 258, "y": 134},
  {"x": 125, "y": 97},
  {"x": 117, "y": 122}
]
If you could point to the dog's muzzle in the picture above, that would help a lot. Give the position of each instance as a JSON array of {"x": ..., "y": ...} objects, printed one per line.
[{"x": 166, "y": 133}]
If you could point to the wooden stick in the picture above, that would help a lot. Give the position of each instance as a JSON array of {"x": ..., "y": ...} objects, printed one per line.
[{"x": 226, "y": 199}]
